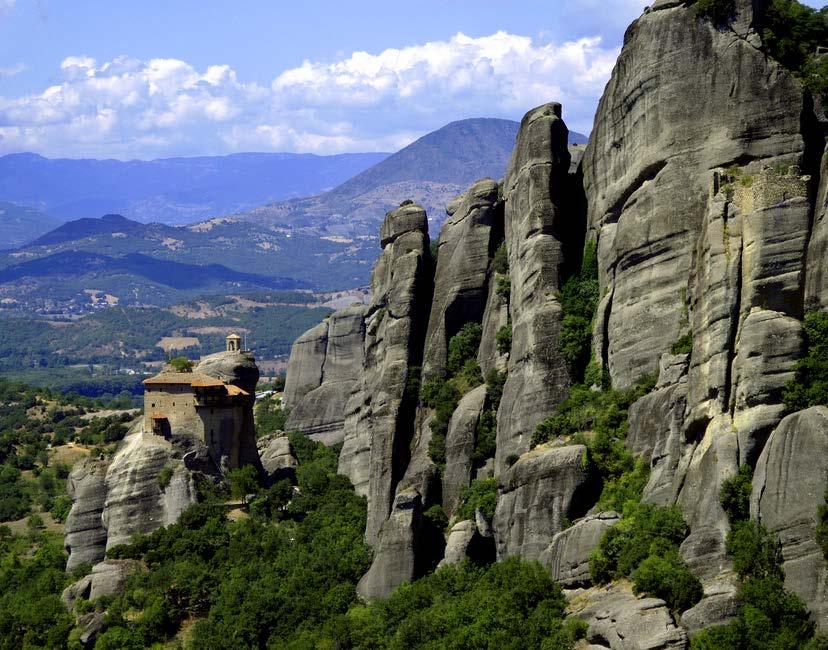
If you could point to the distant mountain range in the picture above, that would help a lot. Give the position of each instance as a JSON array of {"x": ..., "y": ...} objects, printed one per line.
[
  {"x": 432, "y": 171},
  {"x": 171, "y": 190},
  {"x": 19, "y": 225},
  {"x": 326, "y": 242}
]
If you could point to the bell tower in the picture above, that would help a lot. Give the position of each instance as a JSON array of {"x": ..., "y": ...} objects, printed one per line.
[{"x": 234, "y": 343}]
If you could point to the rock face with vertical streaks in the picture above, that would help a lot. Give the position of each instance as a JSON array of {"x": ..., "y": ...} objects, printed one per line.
[
  {"x": 336, "y": 347},
  {"x": 789, "y": 485},
  {"x": 663, "y": 122},
  {"x": 379, "y": 415},
  {"x": 537, "y": 222},
  {"x": 85, "y": 535}
]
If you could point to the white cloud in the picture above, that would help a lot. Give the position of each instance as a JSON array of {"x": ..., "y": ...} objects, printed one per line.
[
  {"x": 13, "y": 70},
  {"x": 132, "y": 108}
]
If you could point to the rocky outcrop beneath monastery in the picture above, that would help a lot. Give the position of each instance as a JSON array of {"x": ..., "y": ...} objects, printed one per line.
[
  {"x": 85, "y": 535},
  {"x": 326, "y": 362}
]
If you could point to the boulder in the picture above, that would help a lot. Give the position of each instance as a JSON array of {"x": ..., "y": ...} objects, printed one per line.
[
  {"x": 535, "y": 494},
  {"x": 467, "y": 542},
  {"x": 567, "y": 556},
  {"x": 395, "y": 561},
  {"x": 278, "y": 458},
  {"x": 107, "y": 578},
  {"x": 620, "y": 620},
  {"x": 719, "y": 606},
  {"x": 538, "y": 220},
  {"x": 789, "y": 485},
  {"x": 85, "y": 534}
]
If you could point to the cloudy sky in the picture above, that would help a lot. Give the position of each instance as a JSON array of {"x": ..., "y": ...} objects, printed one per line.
[{"x": 184, "y": 77}]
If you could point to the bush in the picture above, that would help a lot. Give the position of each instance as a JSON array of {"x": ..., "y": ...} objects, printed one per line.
[
  {"x": 243, "y": 481},
  {"x": 756, "y": 553},
  {"x": 810, "y": 386},
  {"x": 717, "y": 11},
  {"x": 684, "y": 345},
  {"x": 485, "y": 440},
  {"x": 482, "y": 494},
  {"x": 579, "y": 300},
  {"x": 667, "y": 577},
  {"x": 504, "y": 339},
  {"x": 165, "y": 476},
  {"x": 735, "y": 494},
  {"x": 644, "y": 530},
  {"x": 501, "y": 259},
  {"x": 822, "y": 526},
  {"x": 60, "y": 508},
  {"x": 463, "y": 346}
]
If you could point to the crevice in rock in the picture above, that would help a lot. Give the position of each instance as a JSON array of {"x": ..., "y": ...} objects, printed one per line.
[
  {"x": 729, "y": 401},
  {"x": 647, "y": 174}
]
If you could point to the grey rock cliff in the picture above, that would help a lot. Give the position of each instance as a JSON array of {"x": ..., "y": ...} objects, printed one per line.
[
  {"x": 320, "y": 412},
  {"x": 788, "y": 487},
  {"x": 466, "y": 245},
  {"x": 663, "y": 122},
  {"x": 535, "y": 494},
  {"x": 537, "y": 218},
  {"x": 307, "y": 357},
  {"x": 85, "y": 535},
  {"x": 379, "y": 420},
  {"x": 460, "y": 441}
]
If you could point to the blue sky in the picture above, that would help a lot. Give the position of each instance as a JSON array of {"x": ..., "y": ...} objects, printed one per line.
[{"x": 150, "y": 79}]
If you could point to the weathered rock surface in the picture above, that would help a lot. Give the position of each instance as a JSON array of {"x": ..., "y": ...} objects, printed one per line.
[
  {"x": 379, "y": 417},
  {"x": 467, "y": 541},
  {"x": 304, "y": 371},
  {"x": 278, "y": 458},
  {"x": 788, "y": 487},
  {"x": 567, "y": 556},
  {"x": 85, "y": 535},
  {"x": 460, "y": 441},
  {"x": 107, "y": 578},
  {"x": 320, "y": 412},
  {"x": 466, "y": 245},
  {"x": 538, "y": 218},
  {"x": 816, "y": 286},
  {"x": 620, "y": 620},
  {"x": 135, "y": 502},
  {"x": 535, "y": 494},
  {"x": 395, "y": 561},
  {"x": 719, "y": 606},
  {"x": 646, "y": 166}
]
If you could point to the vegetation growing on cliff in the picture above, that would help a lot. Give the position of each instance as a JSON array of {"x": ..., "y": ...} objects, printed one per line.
[
  {"x": 579, "y": 299},
  {"x": 770, "y": 617},
  {"x": 810, "y": 387},
  {"x": 598, "y": 419},
  {"x": 644, "y": 547},
  {"x": 443, "y": 394}
]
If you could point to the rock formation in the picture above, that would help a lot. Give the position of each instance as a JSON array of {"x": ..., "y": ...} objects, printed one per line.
[
  {"x": 379, "y": 414},
  {"x": 703, "y": 192},
  {"x": 537, "y": 222},
  {"x": 326, "y": 361}
]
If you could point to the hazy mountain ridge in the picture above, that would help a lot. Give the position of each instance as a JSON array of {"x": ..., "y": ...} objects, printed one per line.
[
  {"x": 171, "y": 190},
  {"x": 21, "y": 225}
]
